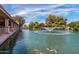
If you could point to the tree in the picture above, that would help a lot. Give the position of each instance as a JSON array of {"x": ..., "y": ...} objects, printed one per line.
[
  {"x": 55, "y": 21},
  {"x": 34, "y": 25},
  {"x": 41, "y": 24},
  {"x": 31, "y": 25},
  {"x": 74, "y": 25},
  {"x": 51, "y": 21},
  {"x": 19, "y": 20}
]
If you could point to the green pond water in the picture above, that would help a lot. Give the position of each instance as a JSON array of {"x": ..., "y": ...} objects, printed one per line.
[{"x": 55, "y": 42}]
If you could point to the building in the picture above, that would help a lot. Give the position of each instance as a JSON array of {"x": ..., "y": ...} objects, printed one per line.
[{"x": 7, "y": 24}]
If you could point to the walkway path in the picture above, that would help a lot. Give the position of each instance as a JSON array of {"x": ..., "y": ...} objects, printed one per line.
[{"x": 4, "y": 37}]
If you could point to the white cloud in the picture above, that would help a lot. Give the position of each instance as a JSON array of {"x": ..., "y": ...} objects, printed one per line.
[
  {"x": 20, "y": 13},
  {"x": 56, "y": 5},
  {"x": 35, "y": 12},
  {"x": 49, "y": 10}
]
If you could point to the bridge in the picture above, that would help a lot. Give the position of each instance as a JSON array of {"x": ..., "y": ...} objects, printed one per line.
[{"x": 7, "y": 26}]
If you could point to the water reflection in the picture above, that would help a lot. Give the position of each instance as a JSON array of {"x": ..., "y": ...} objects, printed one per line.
[
  {"x": 20, "y": 47},
  {"x": 33, "y": 42}
]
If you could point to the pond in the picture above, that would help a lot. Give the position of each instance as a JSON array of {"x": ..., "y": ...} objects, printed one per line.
[{"x": 44, "y": 42}]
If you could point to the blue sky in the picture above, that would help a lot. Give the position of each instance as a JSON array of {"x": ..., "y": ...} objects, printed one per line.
[{"x": 39, "y": 12}]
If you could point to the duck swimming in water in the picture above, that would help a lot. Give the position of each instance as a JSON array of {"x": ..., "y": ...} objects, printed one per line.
[
  {"x": 51, "y": 50},
  {"x": 35, "y": 49}
]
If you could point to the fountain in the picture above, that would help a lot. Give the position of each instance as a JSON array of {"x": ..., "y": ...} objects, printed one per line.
[
  {"x": 49, "y": 29},
  {"x": 52, "y": 31}
]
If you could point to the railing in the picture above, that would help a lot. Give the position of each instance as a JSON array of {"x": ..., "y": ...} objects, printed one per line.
[{"x": 4, "y": 30}]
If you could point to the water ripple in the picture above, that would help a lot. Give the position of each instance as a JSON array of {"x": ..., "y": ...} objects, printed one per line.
[{"x": 53, "y": 33}]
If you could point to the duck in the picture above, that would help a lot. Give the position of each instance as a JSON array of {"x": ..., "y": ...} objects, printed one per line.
[
  {"x": 51, "y": 50},
  {"x": 47, "y": 48},
  {"x": 35, "y": 49}
]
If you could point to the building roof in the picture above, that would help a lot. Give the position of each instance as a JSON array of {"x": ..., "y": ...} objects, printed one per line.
[{"x": 7, "y": 15}]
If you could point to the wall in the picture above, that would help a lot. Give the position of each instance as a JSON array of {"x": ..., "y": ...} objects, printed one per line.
[{"x": 7, "y": 46}]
